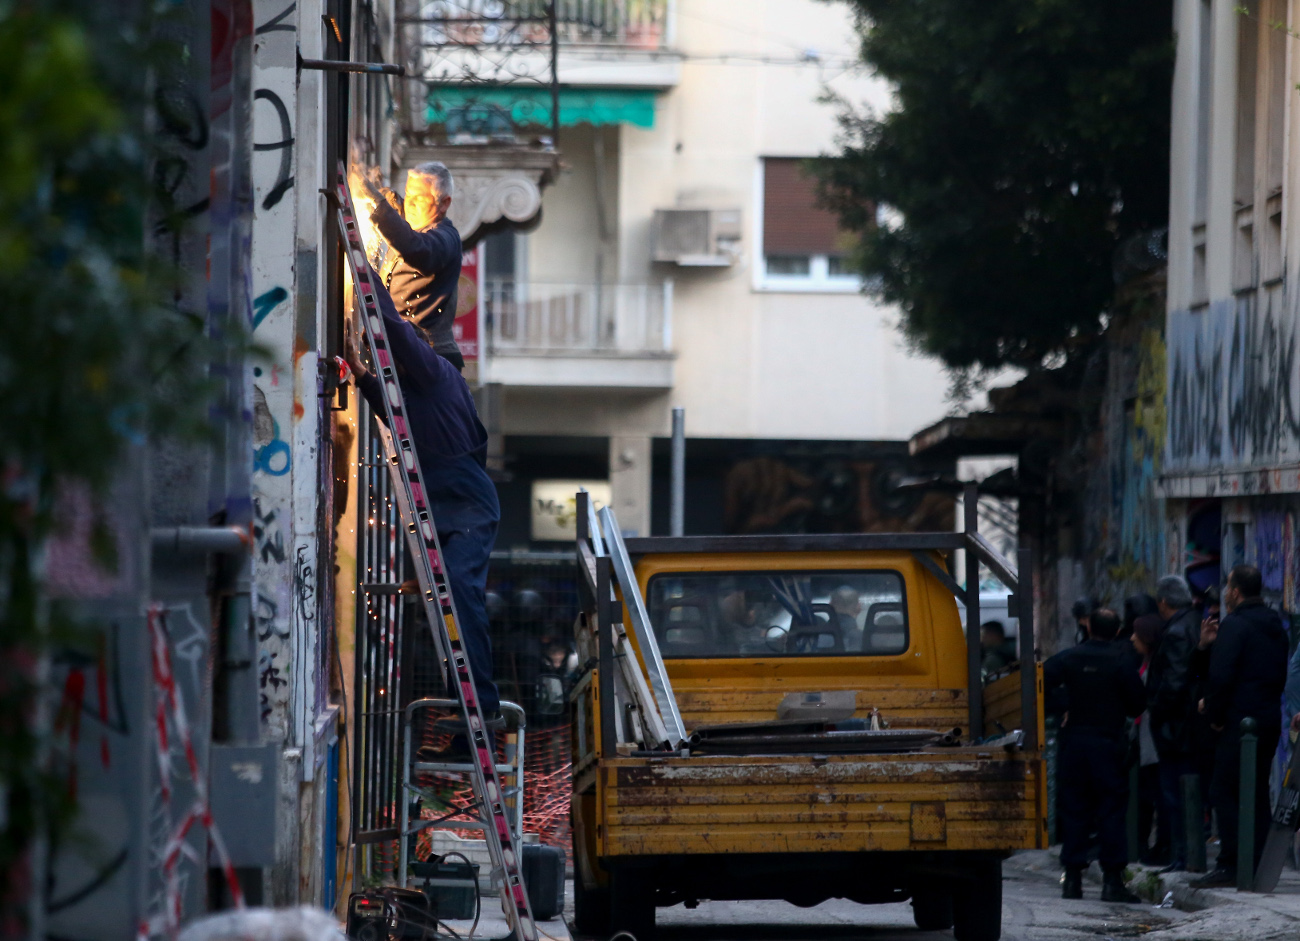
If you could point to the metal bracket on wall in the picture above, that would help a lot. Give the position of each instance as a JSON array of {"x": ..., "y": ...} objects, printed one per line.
[{"x": 338, "y": 65}]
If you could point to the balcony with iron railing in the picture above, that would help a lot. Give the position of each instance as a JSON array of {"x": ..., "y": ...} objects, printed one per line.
[
  {"x": 616, "y": 336},
  {"x": 476, "y": 49},
  {"x": 634, "y": 24}
]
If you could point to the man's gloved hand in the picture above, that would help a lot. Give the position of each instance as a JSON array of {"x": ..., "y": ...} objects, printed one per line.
[
  {"x": 353, "y": 361},
  {"x": 371, "y": 189}
]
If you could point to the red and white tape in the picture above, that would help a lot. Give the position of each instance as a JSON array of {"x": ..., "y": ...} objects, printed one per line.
[{"x": 170, "y": 720}]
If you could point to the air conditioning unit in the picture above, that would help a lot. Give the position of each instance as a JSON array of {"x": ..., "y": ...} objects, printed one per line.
[{"x": 696, "y": 237}]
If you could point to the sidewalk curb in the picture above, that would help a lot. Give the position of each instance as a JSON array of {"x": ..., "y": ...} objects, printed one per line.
[{"x": 1148, "y": 882}]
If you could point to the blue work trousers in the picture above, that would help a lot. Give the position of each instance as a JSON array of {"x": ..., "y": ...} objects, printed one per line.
[{"x": 466, "y": 552}]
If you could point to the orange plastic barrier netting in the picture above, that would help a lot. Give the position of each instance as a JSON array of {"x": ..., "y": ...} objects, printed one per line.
[{"x": 547, "y": 788}]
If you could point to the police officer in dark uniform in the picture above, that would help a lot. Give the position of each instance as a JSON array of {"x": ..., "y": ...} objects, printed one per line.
[{"x": 1101, "y": 689}]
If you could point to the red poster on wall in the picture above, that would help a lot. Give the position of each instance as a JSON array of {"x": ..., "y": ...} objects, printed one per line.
[{"x": 465, "y": 327}]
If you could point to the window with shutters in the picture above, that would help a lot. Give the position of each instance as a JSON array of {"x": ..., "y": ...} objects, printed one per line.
[{"x": 802, "y": 246}]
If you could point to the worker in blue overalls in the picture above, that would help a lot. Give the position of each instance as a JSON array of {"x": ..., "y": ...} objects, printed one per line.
[{"x": 451, "y": 444}]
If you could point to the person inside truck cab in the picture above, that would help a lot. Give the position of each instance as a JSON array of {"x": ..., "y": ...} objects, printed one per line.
[
  {"x": 846, "y": 605},
  {"x": 737, "y": 619}
]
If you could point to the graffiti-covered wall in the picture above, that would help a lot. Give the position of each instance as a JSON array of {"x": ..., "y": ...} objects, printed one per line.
[{"x": 1234, "y": 385}]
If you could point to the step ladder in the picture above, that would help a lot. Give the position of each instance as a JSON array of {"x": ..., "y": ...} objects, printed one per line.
[{"x": 435, "y": 591}]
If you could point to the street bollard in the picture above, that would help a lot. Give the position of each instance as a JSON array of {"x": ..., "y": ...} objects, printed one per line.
[
  {"x": 1246, "y": 808},
  {"x": 1194, "y": 822},
  {"x": 1133, "y": 812}
]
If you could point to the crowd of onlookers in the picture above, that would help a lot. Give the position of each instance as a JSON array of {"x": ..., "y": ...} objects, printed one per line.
[{"x": 1163, "y": 686}]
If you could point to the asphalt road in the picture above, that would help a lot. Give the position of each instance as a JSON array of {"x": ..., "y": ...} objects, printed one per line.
[{"x": 1032, "y": 910}]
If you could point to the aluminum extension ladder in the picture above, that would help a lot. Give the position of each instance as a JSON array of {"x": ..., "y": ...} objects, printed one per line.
[
  {"x": 656, "y": 704},
  {"x": 435, "y": 592}
]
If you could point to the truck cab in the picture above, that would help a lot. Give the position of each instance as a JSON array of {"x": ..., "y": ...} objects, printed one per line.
[{"x": 916, "y": 784}]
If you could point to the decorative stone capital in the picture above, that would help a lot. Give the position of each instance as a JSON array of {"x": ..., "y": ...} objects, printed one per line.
[{"x": 492, "y": 183}]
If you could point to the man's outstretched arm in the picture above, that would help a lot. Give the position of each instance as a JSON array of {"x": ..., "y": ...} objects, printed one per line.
[
  {"x": 426, "y": 252},
  {"x": 422, "y": 368}
]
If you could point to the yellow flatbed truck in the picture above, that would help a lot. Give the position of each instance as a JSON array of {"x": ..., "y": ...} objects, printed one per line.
[{"x": 753, "y": 806}]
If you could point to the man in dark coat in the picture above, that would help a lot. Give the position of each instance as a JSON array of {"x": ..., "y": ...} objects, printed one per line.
[
  {"x": 422, "y": 269},
  {"x": 1169, "y": 697},
  {"x": 451, "y": 444},
  {"x": 1246, "y": 679},
  {"x": 1103, "y": 689}
]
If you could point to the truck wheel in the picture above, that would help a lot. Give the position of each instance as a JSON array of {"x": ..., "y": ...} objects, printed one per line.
[
  {"x": 977, "y": 902},
  {"x": 590, "y": 908},
  {"x": 932, "y": 908},
  {"x": 632, "y": 902}
]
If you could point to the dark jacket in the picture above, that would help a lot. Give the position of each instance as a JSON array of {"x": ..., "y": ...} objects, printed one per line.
[
  {"x": 1247, "y": 668},
  {"x": 423, "y": 275},
  {"x": 1170, "y": 686},
  {"x": 997, "y": 658},
  {"x": 450, "y": 441},
  {"x": 1102, "y": 687}
]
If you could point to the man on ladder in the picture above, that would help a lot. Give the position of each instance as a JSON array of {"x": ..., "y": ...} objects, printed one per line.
[{"x": 451, "y": 444}]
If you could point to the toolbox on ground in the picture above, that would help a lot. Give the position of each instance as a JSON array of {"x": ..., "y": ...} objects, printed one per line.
[
  {"x": 451, "y": 887},
  {"x": 543, "y": 872}
]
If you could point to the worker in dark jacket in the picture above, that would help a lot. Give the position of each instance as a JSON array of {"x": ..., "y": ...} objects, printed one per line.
[
  {"x": 422, "y": 269},
  {"x": 1172, "y": 707},
  {"x": 1247, "y": 675},
  {"x": 1102, "y": 689},
  {"x": 451, "y": 444}
]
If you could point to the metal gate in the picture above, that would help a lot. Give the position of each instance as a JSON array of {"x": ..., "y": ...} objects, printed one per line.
[{"x": 532, "y": 602}]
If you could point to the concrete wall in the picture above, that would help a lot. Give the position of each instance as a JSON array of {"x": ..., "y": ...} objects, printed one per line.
[
  {"x": 1234, "y": 373},
  {"x": 752, "y": 363},
  {"x": 1232, "y": 447}
]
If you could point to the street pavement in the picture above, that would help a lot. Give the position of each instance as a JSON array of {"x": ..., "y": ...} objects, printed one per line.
[{"x": 1033, "y": 910}]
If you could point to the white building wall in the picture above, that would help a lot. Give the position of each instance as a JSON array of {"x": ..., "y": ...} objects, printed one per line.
[
  {"x": 1233, "y": 333},
  {"x": 751, "y": 363}
]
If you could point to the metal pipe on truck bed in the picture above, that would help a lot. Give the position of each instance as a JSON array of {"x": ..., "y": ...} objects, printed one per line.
[
  {"x": 974, "y": 680},
  {"x": 1028, "y": 658}
]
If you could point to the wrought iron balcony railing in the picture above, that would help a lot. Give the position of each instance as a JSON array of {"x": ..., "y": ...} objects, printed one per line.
[
  {"x": 530, "y": 318},
  {"x": 635, "y": 24}
]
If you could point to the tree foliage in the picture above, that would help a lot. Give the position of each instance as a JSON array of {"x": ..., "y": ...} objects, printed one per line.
[
  {"x": 1028, "y": 138},
  {"x": 93, "y": 356}
]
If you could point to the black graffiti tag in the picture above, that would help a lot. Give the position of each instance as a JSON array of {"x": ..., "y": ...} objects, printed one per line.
[{"x": 283, "y": 181}]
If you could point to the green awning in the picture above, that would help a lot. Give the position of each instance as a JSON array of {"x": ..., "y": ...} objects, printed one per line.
[{"x": 531, "y": 106}]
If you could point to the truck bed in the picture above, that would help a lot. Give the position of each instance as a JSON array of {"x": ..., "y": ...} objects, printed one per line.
[{"x": 939, "y": 799}]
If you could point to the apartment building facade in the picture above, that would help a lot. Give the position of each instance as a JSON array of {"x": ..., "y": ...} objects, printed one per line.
[
  {"x": 1231, "y": 458},
  {"x": 678, "y": 258}
]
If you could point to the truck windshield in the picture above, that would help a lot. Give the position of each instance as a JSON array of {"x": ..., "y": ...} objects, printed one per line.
[{"x": 792, "y": 614}]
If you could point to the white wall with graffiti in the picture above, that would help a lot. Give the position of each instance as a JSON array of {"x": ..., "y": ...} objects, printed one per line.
[
  {"x": 1231, "y": 470},
  {"x": 1234, "y": 385},
  {"x": 1233, "y": 377},
  {"x": 290, "y": 459}
]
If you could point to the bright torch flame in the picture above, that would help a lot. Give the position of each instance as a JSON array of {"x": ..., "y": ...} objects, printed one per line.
[{"x": 364, "y": 204}]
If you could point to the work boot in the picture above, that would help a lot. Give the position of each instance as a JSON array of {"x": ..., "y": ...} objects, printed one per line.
[
  {"x": 1219, "y": 878},
  {"x": 1114, "y": 890},
  {"x": 1072, "y": 884}
]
